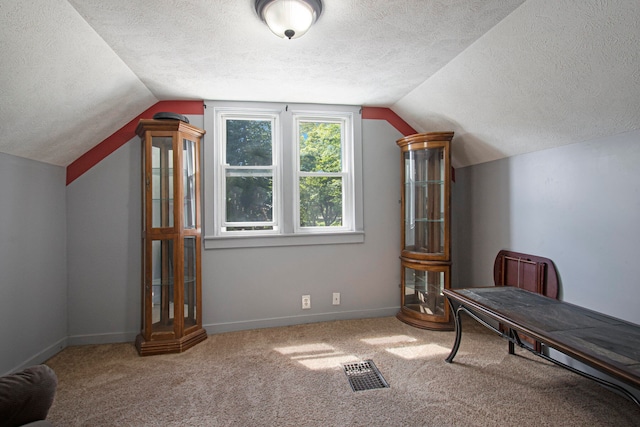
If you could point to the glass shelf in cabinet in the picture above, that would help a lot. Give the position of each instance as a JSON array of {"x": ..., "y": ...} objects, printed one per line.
[
  {"x": 423, "y": 251},
  {"x": 161, "y": 282},
  {"x": 441, "y": 220},
  {"x": 424, "y": 309},
  {"x": 421, "y": 286},
  {"x": 424, "y": 183}
]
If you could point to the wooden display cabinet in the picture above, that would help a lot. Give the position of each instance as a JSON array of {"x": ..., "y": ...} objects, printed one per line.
[
  {"x": 171, "y": 236},
  {"x": 426, "y": 230}
]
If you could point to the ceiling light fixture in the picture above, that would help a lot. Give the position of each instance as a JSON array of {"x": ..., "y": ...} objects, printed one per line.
[{"x": 289, "y": 18}]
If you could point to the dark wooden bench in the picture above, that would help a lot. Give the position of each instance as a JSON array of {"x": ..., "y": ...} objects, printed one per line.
[{"x": 605, "y": 343}]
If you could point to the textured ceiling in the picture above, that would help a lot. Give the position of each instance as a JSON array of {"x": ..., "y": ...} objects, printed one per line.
[
  {"x": 553, "y": 72},
  {"x": 508, "y": 76}
]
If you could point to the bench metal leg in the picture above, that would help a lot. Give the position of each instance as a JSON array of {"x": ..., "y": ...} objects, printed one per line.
[{"x": 458, "y": 325}]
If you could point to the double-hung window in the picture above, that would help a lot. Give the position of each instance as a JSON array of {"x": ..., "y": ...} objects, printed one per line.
[
  {"x": 282, "y": 174},
  {"x": 249, "y": 174}
]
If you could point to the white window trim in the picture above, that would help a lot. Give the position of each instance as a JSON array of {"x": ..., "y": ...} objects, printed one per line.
[
  {"x": 347, "y": 166},
  {"x": 288, "y": 233},
  {"x": 219, "y": 177}
]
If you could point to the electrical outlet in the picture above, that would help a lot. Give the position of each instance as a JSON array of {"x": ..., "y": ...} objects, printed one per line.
[
  {"x": 336, "y": 298},
  {"x": 306, "y": 302}
]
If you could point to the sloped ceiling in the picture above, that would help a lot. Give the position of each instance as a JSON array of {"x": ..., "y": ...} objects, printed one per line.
[
  {"x": 553, "y": 72},
  {"x": 508, "y": 76}
]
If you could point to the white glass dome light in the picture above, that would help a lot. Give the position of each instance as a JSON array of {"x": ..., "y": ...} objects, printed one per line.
[{"x": 289, "y": 18}]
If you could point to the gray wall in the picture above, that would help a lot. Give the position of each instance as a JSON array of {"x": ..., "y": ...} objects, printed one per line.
[
  {"x": 578, "y": 205},
  {"x": 242, "y": 288},
  {"x": 104, "y": 231},
  {"x": 33, "y": 262},
  {"x": 248, "y": 288},
  {"x": 71, "y": 270}
]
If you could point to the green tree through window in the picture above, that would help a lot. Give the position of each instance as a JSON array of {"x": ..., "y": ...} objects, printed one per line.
[
  {"x": 249, "y": 188},
  {"x": 321, "y": 181}
]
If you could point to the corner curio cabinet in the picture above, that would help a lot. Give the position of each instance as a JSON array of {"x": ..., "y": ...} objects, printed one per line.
[
  {"x": 426, "y": 230},
  {"x": 171, "y": 240}
]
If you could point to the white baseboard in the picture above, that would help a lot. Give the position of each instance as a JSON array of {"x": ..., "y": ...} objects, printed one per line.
[
  {"x": 213, "y": 328},
  {"x": 216, "y": 328},
  {"x": 110, "y": 338},
  {"x": 42, "y": 356}
]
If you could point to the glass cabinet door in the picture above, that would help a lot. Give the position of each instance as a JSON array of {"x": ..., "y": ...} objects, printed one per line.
[
  {"x": 423, "y": 302},
  {"x": 190, "y": 282},
  {"x": 424, "y": 201},
  {"x": 161, "y": 181},
  {"x": 162, "y": 285},
  {"x": 423, "y": 291},
  {"x": 189, "y": 182}
]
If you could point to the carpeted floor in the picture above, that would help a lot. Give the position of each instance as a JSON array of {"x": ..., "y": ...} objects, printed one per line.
[{"x": 293, "y": 376}]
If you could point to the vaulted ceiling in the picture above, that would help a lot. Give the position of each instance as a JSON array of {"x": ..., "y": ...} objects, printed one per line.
[{"x": 508, "y": 76}]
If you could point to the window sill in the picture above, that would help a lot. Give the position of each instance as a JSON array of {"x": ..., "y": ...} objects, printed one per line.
[{"x": 231, "y": 242}]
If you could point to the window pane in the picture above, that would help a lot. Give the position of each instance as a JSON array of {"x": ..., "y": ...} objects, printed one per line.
[
  {"x": 249, "y": 196},
  {"x": 249, "y": 142},
  {"x": 320, "y": 147},
  {"x": 320, "y": 202}
]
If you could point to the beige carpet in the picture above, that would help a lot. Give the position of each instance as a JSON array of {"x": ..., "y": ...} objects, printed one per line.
[{"x": 293, "y": 376}]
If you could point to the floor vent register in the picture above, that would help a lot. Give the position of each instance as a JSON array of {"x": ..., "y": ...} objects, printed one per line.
[{"x": 364, "y": 376}]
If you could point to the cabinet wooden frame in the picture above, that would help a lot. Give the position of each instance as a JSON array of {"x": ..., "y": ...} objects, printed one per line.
[
  {"x": 171, "y": 334},
  {"x": 426, "y": 246}
]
